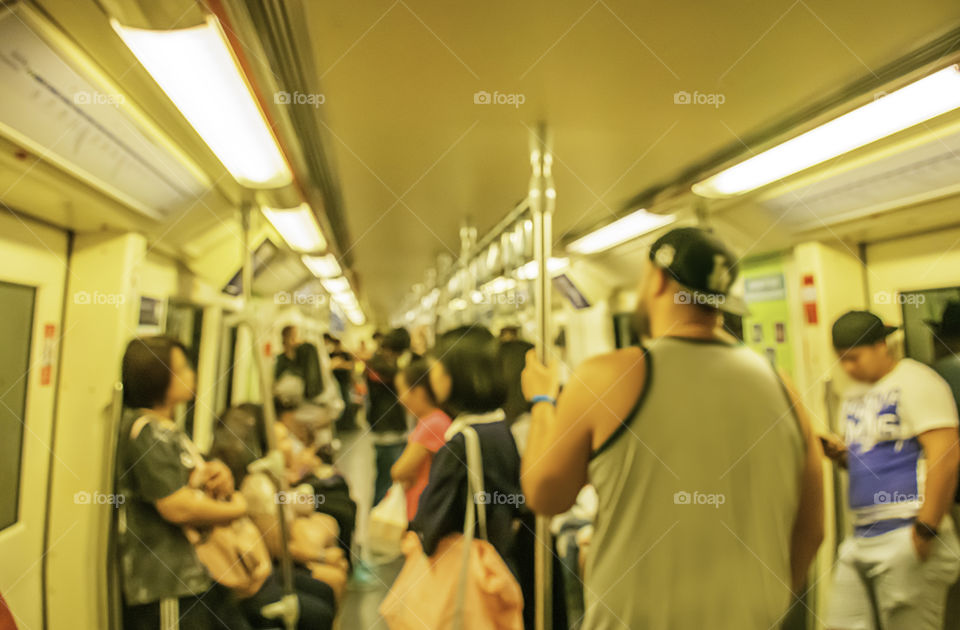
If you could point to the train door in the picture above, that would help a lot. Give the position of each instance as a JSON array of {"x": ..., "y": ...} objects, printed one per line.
[
  {"x": 32, "y": 274},
  {"x": 185, "y": 323}
]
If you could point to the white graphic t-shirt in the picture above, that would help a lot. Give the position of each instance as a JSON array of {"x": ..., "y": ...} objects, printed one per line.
[{"x": 883, "y": 420}]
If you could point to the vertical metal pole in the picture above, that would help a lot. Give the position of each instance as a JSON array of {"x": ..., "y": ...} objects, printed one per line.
[
  {"x": 839, "y": 505},
  {"x": 468, "y": 239},
  {"x": 542, "y": 202},
  {"x": 114, "y": 585},
  {"x": 289, "y": 611}
]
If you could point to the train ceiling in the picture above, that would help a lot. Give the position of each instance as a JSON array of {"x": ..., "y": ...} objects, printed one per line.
[{"x": 426, "y": 108}]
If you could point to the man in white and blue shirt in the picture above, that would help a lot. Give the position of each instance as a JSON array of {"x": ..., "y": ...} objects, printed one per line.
[{"x": 902, "y": 454}]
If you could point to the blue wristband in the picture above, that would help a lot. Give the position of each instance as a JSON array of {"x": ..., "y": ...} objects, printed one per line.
[{"x": 543, "y": 398}]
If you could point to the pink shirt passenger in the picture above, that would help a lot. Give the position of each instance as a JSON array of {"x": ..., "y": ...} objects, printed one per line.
[{"x": 428, "y": 433}]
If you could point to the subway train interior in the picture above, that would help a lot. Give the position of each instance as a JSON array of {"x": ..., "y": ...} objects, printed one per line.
[{"x": 235, "y": 187}]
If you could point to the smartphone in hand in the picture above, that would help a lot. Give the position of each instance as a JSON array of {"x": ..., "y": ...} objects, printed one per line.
[{"x": 834, "y": 447}]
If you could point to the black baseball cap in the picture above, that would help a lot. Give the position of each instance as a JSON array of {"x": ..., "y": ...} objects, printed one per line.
[
  {"x": 702, "y": 265},
  {"x": 859, "y": 328}
]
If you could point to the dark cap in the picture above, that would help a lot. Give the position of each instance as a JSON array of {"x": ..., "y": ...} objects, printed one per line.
[
  {"x": 702, "y": 265},
  {"x": 949, "y": 325},
  {"x": 859, "y": 328}
]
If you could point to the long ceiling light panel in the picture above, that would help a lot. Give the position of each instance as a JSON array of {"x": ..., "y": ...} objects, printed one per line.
[
  {"x": 198, "y": 71},
  {"x": 323, "y": 266},
  {"x": 298, "y": 227},
  {"x": 913, "y": 104},
  {"x": 620, "y": 231}
]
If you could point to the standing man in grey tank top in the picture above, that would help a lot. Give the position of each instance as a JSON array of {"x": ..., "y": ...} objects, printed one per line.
[{"x": 707, "y": 472}]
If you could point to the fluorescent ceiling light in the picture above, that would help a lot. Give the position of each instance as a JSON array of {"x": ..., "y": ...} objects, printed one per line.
[
  {"x": 335, "y": 286},
  {"x": 529, "y": 271},
  {"x": 356, "y": 317},
  {"x": 298, "y": 227},
  {"x": 430, "y": 299},
  {"x": 499, "y": 284},
  {"x": 322, "y": 266},
  {"x": 922, "y": 100},
  {"x": 620, "y": 231},
  {"x": 346, "y": 299},
  {"x": 458, "y": 304},
  {"x": 196, "y": 68}
]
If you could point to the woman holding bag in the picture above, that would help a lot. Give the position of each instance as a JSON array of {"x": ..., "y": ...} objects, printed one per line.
[
  {"x": 479, "y": 591},
  {"x": 164, "y": 582}
]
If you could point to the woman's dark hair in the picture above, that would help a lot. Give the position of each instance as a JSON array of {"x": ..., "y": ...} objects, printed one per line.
[
  {"x": 469, "y": 355},
  {"x": 146, "y": 371},
  {"x": 417, "y": 374},
  {"x": 513, "y": 358},
  {"x": 238, "y": 438}
]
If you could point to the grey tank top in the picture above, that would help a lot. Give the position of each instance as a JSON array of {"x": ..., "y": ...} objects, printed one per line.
[{"x": 698, "y": 493}]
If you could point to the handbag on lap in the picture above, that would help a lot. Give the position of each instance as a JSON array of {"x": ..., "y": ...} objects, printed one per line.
[{"x": 234, "y": 555}]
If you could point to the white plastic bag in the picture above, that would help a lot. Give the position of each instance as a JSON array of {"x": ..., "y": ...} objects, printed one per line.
[{"x": 388, "y": 523}]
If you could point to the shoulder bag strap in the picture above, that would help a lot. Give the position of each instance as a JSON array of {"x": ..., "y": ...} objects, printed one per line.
[{"x": 475, "y": 497}]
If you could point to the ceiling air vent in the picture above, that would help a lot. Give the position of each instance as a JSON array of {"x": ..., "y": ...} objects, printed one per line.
[
  {"x": 927, "y": 171},
  {"x": 53, "y": 108}
]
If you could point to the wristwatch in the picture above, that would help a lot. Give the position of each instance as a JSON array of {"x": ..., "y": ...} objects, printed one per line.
[{"x": 924, "y": 530}]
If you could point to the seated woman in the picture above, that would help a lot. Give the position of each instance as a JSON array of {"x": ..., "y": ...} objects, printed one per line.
[
  {"x": 163, "y": 580},
  {"x": 312, "y": 536},
  {"x": 412, "y": 470},
  {"x": 308, "y": 462},
  {"x": 466, "y": 379},
  {"x": 237, "y": 442}
]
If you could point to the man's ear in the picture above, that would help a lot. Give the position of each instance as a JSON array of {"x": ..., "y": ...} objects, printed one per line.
[{"x": 659, "y": 280}]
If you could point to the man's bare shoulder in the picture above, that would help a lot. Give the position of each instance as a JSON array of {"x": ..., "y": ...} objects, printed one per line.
[
  {"x": 616, "y": 358},
  {"x": 610, "y": 367}
]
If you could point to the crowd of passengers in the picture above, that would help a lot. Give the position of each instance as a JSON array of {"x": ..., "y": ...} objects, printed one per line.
[
  {"x": 183, "y": 508},
  {"x": 683, "y": 474}
]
